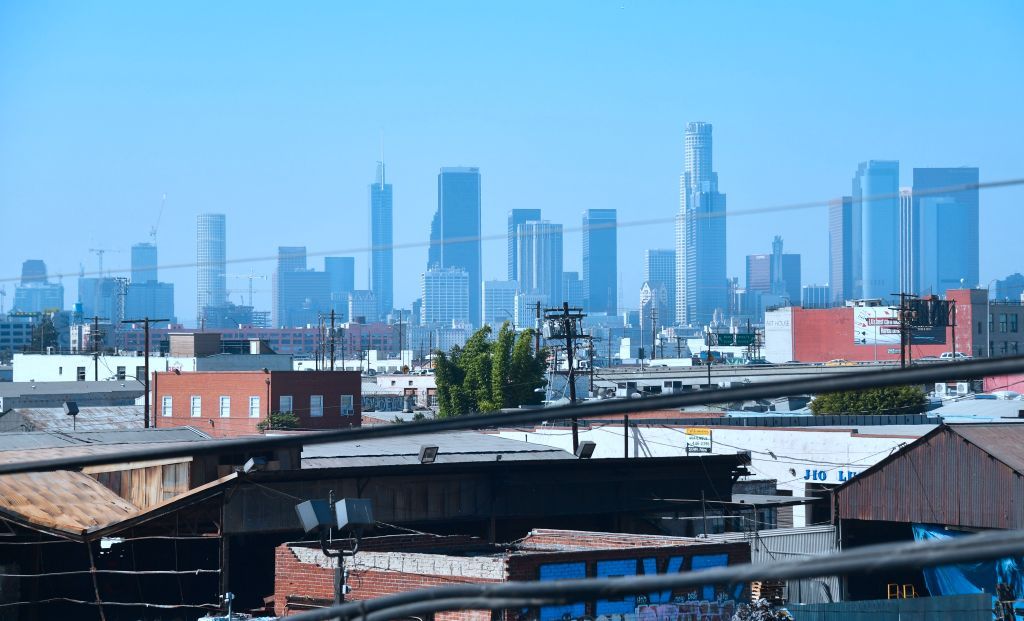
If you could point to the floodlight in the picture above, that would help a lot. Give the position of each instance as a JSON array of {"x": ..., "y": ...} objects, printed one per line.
[
  {"x": 586, "y": 449},
  {"x": 254, "y": 463},
  {"x": 314, "y": 515},
  {"x": 70, "y": 407},
  {"x": 355, "y": 514},
  {"x": 428, "y": 453}
]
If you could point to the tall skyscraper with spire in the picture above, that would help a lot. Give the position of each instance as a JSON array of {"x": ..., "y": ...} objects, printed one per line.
[
  {"x": 211, "y": 262},
  {"x": 701, "y": 287},
  {"x": 382, "y": 253}
]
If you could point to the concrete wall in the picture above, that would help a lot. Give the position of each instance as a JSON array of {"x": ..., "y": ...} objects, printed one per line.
[{"x": 64, "y": 367}]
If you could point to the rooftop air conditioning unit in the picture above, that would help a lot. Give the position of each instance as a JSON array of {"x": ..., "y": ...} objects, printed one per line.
[
  {"x": 940, "y": 389},
  {"x": 962, "y": 388}
]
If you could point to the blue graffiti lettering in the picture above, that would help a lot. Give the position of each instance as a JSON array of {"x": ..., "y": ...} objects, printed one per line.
[
  {"x": 627, "y": 604},
  {"x": 650, "y": 566}
]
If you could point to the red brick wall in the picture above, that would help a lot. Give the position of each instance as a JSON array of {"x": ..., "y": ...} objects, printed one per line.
[
  {"x": 820, "y": 335},
  {"x": 240, "y": 385}
]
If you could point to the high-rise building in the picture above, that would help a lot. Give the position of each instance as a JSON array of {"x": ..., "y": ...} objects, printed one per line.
[
  {"x": 362, "y": 306},
  {"x": 540, "y": 259},
  {"x": 301, "y": 295},
  {"x": 653, "y": 302},
  {"x": 759, "y": 273},
  {"x": 445, "y": 294},
  {"x": 103, "y": 297},
  {"x": 600, "y": 261},
  {"x": 455, "y": 231},
  {"x": 876, "y": 193},
  {"x": 815, "y": 296},
  {"x": 843, "y": 250},
  {"x": 150, "y": 299},
  {"x": 908, "y": 243},
  {"x": 35, "y": 293},
  {"x": 660, "y": 271},
  {"x": 341, "y": 276},
  {"x": 701, "y": 283},
  {"x": 572, "y": 289},
  {"x": 499, "y": 304},
  {"x": 945, "y": 210},
  {"x": 515, "y": 218},
  {"x": 382, "y": 253},
  {"x": 144, "y": 263},
  {"x": 785, "y": 273},
  {"x": 211, "y": 261},
  {"x": 526, "y": 309},
  {"x": 1010, "y": 288}
]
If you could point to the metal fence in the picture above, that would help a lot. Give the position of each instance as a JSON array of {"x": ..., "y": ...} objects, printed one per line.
[{"x": 977, "y": 607}]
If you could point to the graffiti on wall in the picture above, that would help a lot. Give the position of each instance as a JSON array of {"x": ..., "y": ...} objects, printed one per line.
[{"x": 707, "y": 603}]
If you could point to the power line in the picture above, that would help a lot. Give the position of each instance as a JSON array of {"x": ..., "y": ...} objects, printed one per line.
[
  {"x": 850, "y": 381},
  {"x": 494, "y": 596},
  {"x": 568, "y": 229}
]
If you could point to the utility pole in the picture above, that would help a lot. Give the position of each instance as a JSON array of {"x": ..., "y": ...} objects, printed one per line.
[
  {"x": 952, "y": 323},
  {"x": 590, "y": 350},
  {"x": 537, "y": 330},
  {"x": 332, "y": 339},
  {"x": 568, "y": 321},
  {"x": 145, "y": 321},
  {"x": 903, "y": 316},
  {"x": 654, "y": 332},
  {"x": 94, "y": 336}
]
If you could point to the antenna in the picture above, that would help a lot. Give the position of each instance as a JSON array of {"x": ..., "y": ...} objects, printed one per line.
[
  {"x": 382, "y": 159},
  {"x": 99, "y": 255}
]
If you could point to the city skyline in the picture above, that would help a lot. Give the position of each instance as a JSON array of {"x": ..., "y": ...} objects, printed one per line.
[{"x": 301, "y": 142}]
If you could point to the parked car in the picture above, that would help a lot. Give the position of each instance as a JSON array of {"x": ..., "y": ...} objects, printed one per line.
[
  {"x": 948, "y": 355},
  {"x": 839, "y": 362}
]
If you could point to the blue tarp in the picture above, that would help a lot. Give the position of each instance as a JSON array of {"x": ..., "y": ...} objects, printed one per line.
[{"x": 969, "y": 578}]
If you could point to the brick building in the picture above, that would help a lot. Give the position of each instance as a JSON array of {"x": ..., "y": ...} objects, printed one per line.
[
  {"x": 387, "y": 565},
  {"x": 866, "y": 333},
  {"x": 232, "y": 403}
]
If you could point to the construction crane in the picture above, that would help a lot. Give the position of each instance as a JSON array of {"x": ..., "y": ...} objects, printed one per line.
[
  {"x": 159, "y": 214},
  {"x": 99, "y": 255},
  {"x": 251, "y": 276}
]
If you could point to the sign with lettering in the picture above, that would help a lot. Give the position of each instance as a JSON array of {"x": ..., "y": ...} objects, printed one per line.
[{"x": 698, "y": 440}]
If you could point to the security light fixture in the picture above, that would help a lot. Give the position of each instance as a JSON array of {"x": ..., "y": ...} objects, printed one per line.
[
  {"x": 70, "y": 408},
  {"x": 315, "y": 515},
  {"x": 254, "y": 463},
  {"x": 586, "y": 449},
  {"x": 354, "y": 514},
  {"x": 428, "y": 453}
]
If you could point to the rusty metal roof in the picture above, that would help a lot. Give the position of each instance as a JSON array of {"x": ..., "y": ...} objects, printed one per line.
[
  {"x": 61, "y": 502},
  {"x": 1003, "y": 441},
  {"x": 90, "y": 418}
]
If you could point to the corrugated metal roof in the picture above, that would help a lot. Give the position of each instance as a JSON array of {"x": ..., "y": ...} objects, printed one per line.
[
  {"x": 17, "y": 389},
  {"x": 64, "y": 501},
  {"x": 1002, "y": 441},
  {"x": 89, "y": 418},
  {"x": 21, "y": 440},
  {"x": 453, "y": 447},
  {"x": 979, "y": 408}
]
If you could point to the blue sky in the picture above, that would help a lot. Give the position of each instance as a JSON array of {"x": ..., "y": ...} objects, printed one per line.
[{"x": 272, "y": 114}]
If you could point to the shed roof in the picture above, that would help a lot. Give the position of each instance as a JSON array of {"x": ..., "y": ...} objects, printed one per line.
[
  {"x": 30, "y": 440},
  {"x": 17, "y": 389},
  {"x": 88, "y": 418},
  {"x": 1003, "y": 441},
  {"x": 68, "y": 502}
]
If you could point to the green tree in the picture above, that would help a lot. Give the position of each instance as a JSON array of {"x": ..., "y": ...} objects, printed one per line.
[
  {"x": 44, "y": 335},
  {"x": 486, "y": 375},
  {"x": 890, "y": 400},
  {"x": 279, "y": 420}
]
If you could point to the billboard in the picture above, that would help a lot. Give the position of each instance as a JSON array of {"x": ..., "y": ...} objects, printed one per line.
[
  {"x": 880, "y": 325},
  {"x": 698, "y": 440}
]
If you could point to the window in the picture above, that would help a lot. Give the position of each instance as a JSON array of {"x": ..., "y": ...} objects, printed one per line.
[
  {"x": 166, "y": 406},
  {"x": 1013, "y": 347},
  {"x": 316, "y": 405},
  {"x": 80, "y": 374},
  {"x": 1002, "y": 322},
  {"x": 140, "y": 374},
  {"x": 120, "y": 373},
  {"x": 225, "y": 407},
  {"x": 285, "y": 404},
  {"x": 346, "y": 405},
  {"x": 1013, "y": 322},
  {"x": 60, "y": 370},
  {"x": 197, "y": 406},
  {"x": 254, "y": 407}
]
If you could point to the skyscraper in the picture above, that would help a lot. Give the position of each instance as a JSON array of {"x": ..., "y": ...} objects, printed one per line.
[
  {"x": 455, "y": 231},
  {"x": 341, "y": 276},
  {"x": 945, "y": 206},
  {"x": 515, "y": 218},
  {"x": 143, "y": 263},
  {"x": 600, "y": 261},
  {"x": 785, "y": 273},
  {"x": 35, "y": 294},
  {"x": 211, "y": 259},
  {"x": 572, "y": 289},
  {"x": 300, "y": 294},
  {"x": 382, "y": 253},
  {"x": 876, "y": 193},
  {"x": 540, "y": 259},
  {"x": 908, "y": 243},
  {"x": 843, "y": 247},
  {"x": 499, "y": 303},
  {"x": 660, "y": 271},
  {"x": 445, "y": 294},
  {"x": 701, "y": 284}
]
